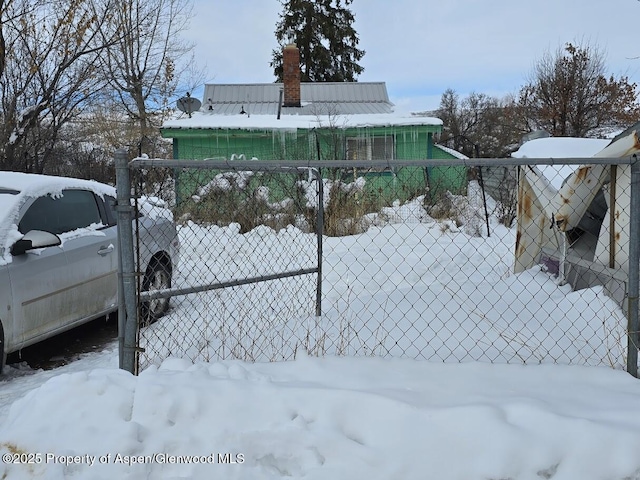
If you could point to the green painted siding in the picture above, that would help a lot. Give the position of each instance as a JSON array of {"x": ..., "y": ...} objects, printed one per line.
[
  {"x": 442, "y": 179},
  {"x": 409, "y": 142},
  {"x": 201, "y": 144}
]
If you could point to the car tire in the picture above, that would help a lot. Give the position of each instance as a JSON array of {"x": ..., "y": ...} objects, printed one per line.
[{"x": 157, "y": 277}]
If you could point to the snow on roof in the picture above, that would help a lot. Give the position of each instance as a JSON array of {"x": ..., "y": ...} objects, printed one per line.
[
  {"x": 201, "y": 120},
  {"x": 561, "y": 147},
  {"x": 256, "y": 106},
  {"x": 453, "y": 152}
]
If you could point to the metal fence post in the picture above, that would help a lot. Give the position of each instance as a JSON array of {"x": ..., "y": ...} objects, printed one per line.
[
  {"x": 121, "y": 309},
  {"x": 127, "y": 320},
  {"x": 634, "y": 264},
  {"x": 320, "y": 230}
]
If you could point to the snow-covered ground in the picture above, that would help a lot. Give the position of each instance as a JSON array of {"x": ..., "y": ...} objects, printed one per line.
[
  {"x": 358, "y": 417},
  {"x": 409, "y": 286},
  {"x": 338, "y": 418}
]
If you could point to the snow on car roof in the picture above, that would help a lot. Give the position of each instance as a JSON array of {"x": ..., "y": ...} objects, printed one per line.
[
  {"x": 35, "y": 185},
  {"x": 16, "y": 187}
]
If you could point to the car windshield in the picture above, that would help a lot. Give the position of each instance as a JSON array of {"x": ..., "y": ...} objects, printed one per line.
[{"x": 9, "y": 198}]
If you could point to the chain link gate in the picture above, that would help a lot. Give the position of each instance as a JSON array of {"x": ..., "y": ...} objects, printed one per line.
[{"x": 405, "y": 258}]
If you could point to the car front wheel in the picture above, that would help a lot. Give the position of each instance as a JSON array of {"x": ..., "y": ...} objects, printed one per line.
[{"x": 157, "y": 277}]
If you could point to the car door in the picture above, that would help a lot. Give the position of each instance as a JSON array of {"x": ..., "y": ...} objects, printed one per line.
[
  {"x": 57, "y": 287},
  {"x": 92, "y": 258},
  {"x": 38, "y": 286}
]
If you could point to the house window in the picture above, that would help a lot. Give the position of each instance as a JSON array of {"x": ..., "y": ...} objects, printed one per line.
[{"x": 370, "y": 148}]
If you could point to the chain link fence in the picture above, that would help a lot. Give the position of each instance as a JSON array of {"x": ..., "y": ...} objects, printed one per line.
[{"x": 417, "y": 259}]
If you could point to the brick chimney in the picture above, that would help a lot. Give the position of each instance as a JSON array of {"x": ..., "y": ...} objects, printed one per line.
[{"x": 291, "y": 75}]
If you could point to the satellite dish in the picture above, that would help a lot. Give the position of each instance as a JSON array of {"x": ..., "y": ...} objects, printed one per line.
[{"x": 188, "y": 104}]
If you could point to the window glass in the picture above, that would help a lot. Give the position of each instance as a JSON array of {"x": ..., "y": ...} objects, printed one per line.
[
  {"x": 74, "y": 209},
  {"x": 110, "y": 206},
  {"x": 371, "y": 148}
]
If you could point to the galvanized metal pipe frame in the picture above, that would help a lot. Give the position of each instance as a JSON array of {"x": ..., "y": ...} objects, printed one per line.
[
  {"x": 127, "y": 305},
  {"x": 270, "y": 165},
  {"x": 634, "y": 265},
  {"x": 172, "y": 292},
  {"x": 122, "y": 314},
  {"x": 127, "y": 275},
  {"x": 320, "y": 234},
  {"x": 127, "y": 288}
]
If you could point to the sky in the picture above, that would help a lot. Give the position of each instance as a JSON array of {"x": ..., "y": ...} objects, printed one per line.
[
  {"x": 354, "y": 417},
  {"x": 420, "y": 48}
]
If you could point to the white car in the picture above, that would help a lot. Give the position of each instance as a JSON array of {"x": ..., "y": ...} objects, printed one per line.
[{"x": 59, "y": 256}]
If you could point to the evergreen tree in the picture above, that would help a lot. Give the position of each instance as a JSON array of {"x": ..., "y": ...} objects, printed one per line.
[{"x": 328, "y": 43}]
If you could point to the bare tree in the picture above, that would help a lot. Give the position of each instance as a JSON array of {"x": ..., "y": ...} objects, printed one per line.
[
  {"x": 86, "y": 144},
  {"x": 569, "y": 94},
  {"x": 4, "y": 7},
  {"x": 478, "y": 124},
  {"x": 50, "y": 53},
  {"x": 145, "y": 66}
]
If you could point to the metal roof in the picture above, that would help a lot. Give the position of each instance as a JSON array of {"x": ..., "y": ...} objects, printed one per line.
[{"x": 331, "y": 98}]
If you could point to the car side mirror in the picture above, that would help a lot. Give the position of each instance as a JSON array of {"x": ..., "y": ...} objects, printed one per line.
[{"x": 35, "y": 239}]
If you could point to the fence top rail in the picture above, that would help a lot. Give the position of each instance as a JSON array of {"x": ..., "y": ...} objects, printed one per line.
[{"x": 452, "y": 162}]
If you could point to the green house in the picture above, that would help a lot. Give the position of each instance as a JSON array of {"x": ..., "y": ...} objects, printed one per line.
[{"x": 311, "y": 121}]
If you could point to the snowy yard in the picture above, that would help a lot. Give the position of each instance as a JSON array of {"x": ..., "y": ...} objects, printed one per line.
[
  {"x": 413, "y": 287},
  {"x": 358, "y": 417}
]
